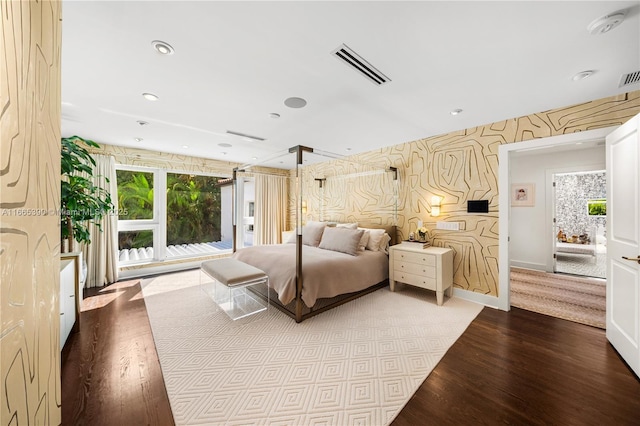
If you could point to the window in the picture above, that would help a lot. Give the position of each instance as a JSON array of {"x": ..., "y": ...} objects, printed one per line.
[
  {"x": 193, "y": 209},
  {"x": 182, "y": 221},
  {"x": 135, "y": 194}
]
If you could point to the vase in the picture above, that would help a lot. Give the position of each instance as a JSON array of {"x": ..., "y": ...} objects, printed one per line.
[{"x": 422, "y": 238}]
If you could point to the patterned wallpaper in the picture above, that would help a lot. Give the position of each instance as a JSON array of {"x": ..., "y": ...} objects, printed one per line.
[
  {"x": 461, "y": 166},
  {"x": 573, "y": 190},
  {"x": 29, "y": 224},
  {"x": 163, "y": 160}
]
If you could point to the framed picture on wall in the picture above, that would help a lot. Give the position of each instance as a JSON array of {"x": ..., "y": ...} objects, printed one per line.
[{"x": 523, "y": 194}]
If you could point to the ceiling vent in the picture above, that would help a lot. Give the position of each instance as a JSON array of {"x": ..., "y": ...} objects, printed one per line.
[
  {"x": 244, "y": 135},
  {"x": 628, "y": 79},
  {"x": 357, "y": 62}
]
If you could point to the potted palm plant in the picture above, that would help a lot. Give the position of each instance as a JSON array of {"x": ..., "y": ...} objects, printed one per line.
[{"x": 82, "y": 202}]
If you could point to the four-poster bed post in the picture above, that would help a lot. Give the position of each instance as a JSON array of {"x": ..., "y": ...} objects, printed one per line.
[{"x": 299, "y": 149}]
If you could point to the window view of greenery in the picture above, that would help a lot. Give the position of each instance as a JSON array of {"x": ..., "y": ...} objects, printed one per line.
[
  {"x": 597, "y": 207},
  {"x": 135, "y": 194},
  {"x": 193, "y": 209},
  {"x": 192, "y": 212}
]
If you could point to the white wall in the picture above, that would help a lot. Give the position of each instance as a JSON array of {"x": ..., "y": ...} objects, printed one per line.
[{"x": 531, "y": 229}]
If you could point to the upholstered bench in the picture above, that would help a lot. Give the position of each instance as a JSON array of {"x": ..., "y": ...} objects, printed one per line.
[{"x": 233, "y": 294}]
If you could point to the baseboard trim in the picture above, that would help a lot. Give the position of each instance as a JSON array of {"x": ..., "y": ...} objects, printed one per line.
[
  {"x": 483, "y": 299},
  {"x": 529, "y": 265}
]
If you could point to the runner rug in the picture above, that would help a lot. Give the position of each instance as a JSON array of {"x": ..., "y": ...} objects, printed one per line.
[
  {"x": 575, "y": 299},
  {"x": 356, "y": 364}
]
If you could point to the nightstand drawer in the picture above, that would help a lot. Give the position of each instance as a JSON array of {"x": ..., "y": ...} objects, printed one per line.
[
  {"x": 417, "y": 280},
  {"x": 421, "y": 258},
  {"x": 414, "y": 268}
]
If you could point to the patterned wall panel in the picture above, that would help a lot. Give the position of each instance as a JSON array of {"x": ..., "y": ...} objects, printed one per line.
[
  {"x": 29, "y": 221},
  {"x": 458, "y": 167},
  {"x": 163, "y": 160},
  {"x": 573, "y": 191}
]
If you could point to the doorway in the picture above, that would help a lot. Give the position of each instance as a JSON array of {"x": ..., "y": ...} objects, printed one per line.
[
  {"x": 540, "y": 236},
  {"x": 579, "y": 218}
]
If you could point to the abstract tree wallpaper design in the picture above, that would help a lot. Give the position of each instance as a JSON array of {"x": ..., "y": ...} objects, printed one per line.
[
  {"x": 29, "y": 199},
  {"x": 457, "y": 167}
]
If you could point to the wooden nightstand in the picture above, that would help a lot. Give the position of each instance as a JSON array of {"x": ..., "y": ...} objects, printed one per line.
[{"x": 430, "y": 268}]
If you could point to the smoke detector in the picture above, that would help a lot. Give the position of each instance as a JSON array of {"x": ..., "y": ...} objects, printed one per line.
[{"x": 606, "y": 23}]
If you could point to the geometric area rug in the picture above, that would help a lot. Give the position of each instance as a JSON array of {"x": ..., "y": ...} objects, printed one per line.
[
  {"x": 359, "y": 363},
  {"x": 577, "y": 299}
]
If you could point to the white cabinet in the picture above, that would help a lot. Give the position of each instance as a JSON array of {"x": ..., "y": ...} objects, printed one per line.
[
  {"x": 430, "y": 268},
  {"x": 72, "y": 277},
  {"x": 67, "y": 299}
]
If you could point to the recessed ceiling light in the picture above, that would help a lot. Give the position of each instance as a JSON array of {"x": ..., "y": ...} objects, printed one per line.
[
  {"x": 138, "y": 139},
  {"x": 162, "y": 47},
  {"x": 254, "y": 158},
  {"x": 606, "y": 23},
  {"x": 274, "y": 115},
  {"x": 150, "y": 96},
  {"x": 185, "y": 146},
  {"x": 142, "y": 123},
  {"x": 582, "y": 75},
  {"x": 225, "y": 145},
  {"x": 456, "y": 111},
  {"x": 295, "y": 102}
]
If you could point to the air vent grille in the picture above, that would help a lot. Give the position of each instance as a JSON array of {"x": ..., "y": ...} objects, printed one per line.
[
  {"x": 631, "y": 78},
  {"x": 244, "y": 135},
  {"x": 357, "y": 62}
]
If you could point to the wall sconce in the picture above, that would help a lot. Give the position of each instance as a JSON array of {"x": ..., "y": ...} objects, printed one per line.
[
  {"x": 435, "y": 205},
  {"x": 304, "y": 207}
]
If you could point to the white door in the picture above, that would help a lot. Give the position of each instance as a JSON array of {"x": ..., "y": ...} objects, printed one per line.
[{"x": 623, "y": 242}]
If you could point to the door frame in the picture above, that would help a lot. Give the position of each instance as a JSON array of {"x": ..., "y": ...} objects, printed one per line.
[{"x": 504, "y": 185}]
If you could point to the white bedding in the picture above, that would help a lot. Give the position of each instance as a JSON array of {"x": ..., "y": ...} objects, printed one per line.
[{"x": 325, "y": 273}]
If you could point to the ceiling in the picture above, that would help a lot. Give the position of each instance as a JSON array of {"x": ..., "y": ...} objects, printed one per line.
[{"x": 235, "y": 63}]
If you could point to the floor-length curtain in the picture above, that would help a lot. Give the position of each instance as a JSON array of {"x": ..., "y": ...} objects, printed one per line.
[
  {"x": 101, "y": 254},
  {"x": 271, "y": 208}
]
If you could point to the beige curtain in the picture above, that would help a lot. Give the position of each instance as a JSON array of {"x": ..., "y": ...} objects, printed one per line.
[
  {"x": 101, "y": 254},
  {"x": 270, "y": 209}
]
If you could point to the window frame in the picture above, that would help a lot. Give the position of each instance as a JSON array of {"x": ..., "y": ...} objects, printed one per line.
[{"x": 158, "y": 225}]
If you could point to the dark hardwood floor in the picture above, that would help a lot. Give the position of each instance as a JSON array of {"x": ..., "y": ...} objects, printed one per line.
[
  {"x": 507, "y": 368},
  {"x": 110, "y": 369}
]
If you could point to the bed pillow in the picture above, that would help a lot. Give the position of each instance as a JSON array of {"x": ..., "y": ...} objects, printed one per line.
[
  {"x": 344, "y": 240},
  {"x": 384, "y": 243},
  {"x": 375, "y": 237},
  {"x": 351, "y": 225},
  {"x": 312, "y": 233},
  {"x": 362, "y": 245}
]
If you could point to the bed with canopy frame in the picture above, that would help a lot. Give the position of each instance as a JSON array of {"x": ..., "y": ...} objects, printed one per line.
[{"x": 344, "y": 216}]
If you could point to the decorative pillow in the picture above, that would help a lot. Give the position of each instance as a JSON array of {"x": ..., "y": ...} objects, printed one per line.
[
  {"x": 384, "y": 243},
  {"x": 312, "y": 233},
  {"x": 375, "y": 237},
  {"x": 362, "y": 245},
  {"x": 344, "y": 240}
]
